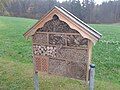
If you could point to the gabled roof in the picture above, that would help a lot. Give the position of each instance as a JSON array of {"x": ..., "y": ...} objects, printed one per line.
[{"x": 74, "y": 22}]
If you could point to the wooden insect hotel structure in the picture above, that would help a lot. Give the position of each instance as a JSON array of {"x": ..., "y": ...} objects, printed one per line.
[{"x": 62, "y": 44}]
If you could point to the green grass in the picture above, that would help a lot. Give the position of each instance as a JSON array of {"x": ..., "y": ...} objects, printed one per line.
[
  {"x": 19, "y": 76},
  {"x": 106, "y": 53},
  {"x": 16, "y": 69},
  {"x": 12, "y": 43}
]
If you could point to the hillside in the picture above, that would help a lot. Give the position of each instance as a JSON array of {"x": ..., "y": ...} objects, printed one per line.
[{"x": 16, "y": 70}]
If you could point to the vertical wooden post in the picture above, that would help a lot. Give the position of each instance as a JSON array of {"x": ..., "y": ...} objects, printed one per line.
[
  {"x": 36, "y": 81},
  {"x": 92, "y": 74}
]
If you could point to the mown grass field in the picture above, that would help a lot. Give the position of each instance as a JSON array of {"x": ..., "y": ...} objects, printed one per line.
[{"x": 16, "y": 69}]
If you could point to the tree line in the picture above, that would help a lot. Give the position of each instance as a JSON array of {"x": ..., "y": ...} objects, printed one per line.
[{"x": 86, "y": 10}]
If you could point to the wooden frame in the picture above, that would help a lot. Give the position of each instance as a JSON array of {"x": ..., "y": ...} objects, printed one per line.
[{"x": 82, "y": 31}]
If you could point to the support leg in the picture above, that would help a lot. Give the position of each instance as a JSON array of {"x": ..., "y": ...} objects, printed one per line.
[{"x": 36, "y": 81}]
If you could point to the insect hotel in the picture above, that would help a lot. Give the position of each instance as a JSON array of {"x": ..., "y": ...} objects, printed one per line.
[{"x": 62, "y": 44}]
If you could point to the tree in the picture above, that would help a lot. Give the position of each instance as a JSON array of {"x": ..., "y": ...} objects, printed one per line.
[{"x": 88, "y": 11}]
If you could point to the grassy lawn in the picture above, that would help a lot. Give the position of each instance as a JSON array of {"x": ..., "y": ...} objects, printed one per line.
[
  {"x": 16, "y": 69},
  {"x": 106, "y": 53}
]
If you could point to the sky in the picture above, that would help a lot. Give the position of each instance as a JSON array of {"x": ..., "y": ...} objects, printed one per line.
[{"x": 97, "y": 1}]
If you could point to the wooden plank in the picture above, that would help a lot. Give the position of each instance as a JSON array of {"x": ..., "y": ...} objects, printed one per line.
[
  {"x": 59, "y": 33},
  {"x": 90, "y": 44}
]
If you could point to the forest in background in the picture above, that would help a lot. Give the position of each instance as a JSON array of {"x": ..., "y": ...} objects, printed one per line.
[{"x": 86, "y": 10}]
